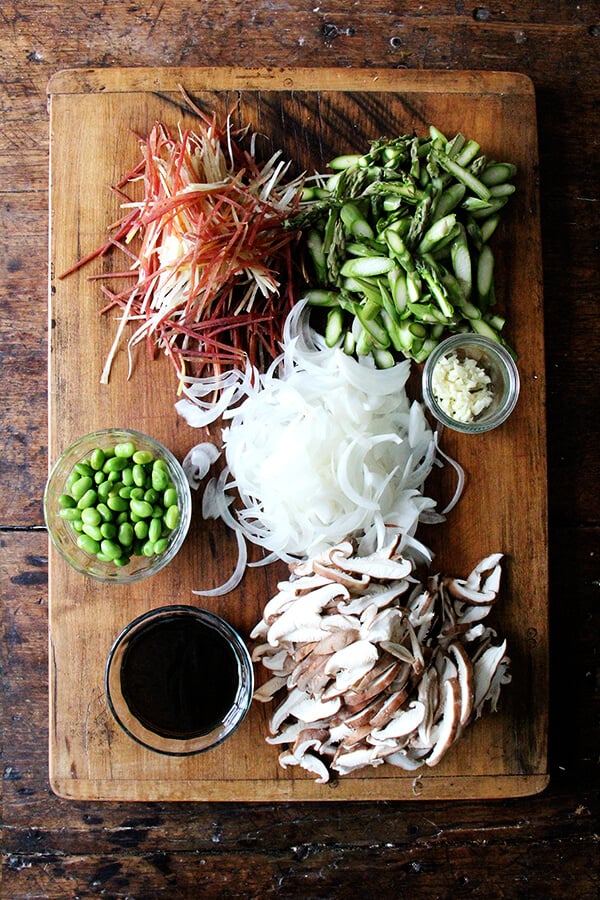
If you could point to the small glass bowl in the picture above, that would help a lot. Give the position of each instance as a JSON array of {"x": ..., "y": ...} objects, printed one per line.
[
  {"x": 152, "y": 695},
  {"x": 64, "y": 536},
  {"x": 499, "y": 366}
]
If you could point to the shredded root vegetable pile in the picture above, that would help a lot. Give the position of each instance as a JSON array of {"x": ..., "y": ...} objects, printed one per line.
[{"x": 207, "y": 250}]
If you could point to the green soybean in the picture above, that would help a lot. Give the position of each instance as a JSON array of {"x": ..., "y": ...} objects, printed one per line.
[
  {"x": 155, "y": 530},
  {"x": 97, "y": 459},
  {"x": 116, "y": 503},
  {"x": 88, "y": 544},
  {"x": 142, "y": 457},
  {"x": 172, "y": 517},
  {"x": 124, "y": 450},
  {"x": 160, "y": 478},
  {"x": 120, "y": 502},
  {"x": 125, "y": 534},
  {"x": 115, "y": 464},
  {"x": 170, "y": 497},
  {"x": 141, "y": 508},
  {"x": 79, "y": 488},
  {"x": 93, "y": 531},
  {"x": 106, "y": 514},
  {"x": 111, "y": 549},
  {"x": 104, "y": 489},
  {"x": 140, "y": 529},
  {"x": 91, "y": 516},
  {"x": 139, "y": 475},
  {"x": 89, "y": 499},
  {"x": 70, "y": 514},
  {"x": 127, "y": 476},
  {"x": 84, "y": 469}
]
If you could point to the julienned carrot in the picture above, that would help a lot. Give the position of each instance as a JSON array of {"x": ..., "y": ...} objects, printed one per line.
[{"x": 207, "y": 250}]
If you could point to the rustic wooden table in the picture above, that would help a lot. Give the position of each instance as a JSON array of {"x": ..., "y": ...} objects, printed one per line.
[{"x": 544, "y": 846}]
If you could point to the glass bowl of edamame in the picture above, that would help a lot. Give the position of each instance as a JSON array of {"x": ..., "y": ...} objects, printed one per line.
[{"x": 117, "y": 505}]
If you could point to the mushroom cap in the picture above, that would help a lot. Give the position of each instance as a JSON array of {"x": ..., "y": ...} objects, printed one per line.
[
  {"x": 403, "y": 723},
  {"x": 377, "y": 668}
]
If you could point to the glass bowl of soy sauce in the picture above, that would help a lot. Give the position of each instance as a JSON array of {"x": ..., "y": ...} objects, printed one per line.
[{"x": 179, "y": 680}]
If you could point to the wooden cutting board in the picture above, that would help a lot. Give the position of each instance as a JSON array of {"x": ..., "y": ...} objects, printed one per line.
[{"x": 311, "y": 115}]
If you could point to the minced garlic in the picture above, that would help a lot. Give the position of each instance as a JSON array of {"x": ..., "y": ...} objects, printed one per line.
[{"x": 461, "y": 387}]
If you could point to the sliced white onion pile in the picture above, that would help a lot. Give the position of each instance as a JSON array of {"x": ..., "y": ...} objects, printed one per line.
[{"x": 323, "y": 447}]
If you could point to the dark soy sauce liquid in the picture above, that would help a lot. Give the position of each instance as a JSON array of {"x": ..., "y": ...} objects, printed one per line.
[{"x": 179, "y": 677}]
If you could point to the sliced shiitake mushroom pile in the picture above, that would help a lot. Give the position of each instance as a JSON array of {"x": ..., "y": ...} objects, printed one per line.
[{"x": 369, "y": 665}]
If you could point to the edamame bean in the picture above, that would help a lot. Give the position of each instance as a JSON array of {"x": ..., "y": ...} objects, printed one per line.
[
  {"x": 116, "y": 503},
  {"x": 106, "y": 514},
  {"x": 88, "y": 544},
  {"x": 97, "y": 459},
  {"x": 89, "y": 499},
  {"x": 93, "y": 531},
  {"x": 155, "y": 530},
  {"x": 120, "y": 502},
  {"x": 127, "y": 476},
  {"x": 160, "y": 478},
  {"x": 141, "y": 508},
  {"x": 125, "y": 534},
  {"x": 142, "y": 457},
  {"x": 171, "y": 519},
  {"x": 111, "y": 549},
  {"x": 141, "y": 530},
  {"x": 70, "y": 514},
  {"x": 79, "y": 488},
  {"x": 115, "y": 464},
  {"x": 91, "y": 516},
  {"x": 104, "y": 489},
  {"x": 139, "y": 475},
  {"x": 84, "y": 469},
  {"x": 170, "y": 497},
  {"x": 124, "y": 450}
]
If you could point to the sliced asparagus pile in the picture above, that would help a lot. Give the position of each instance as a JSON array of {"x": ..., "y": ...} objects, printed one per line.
[{"x": 398, "y": 246}]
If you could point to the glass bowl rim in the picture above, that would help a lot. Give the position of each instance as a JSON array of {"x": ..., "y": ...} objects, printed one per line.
[
  {"x": 148, "y": 739},
  {"x": 507, "y": 363},
  {"x": 121, "y": 576}
]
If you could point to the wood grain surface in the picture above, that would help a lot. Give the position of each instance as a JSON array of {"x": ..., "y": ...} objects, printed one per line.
[
  {"x": 311, "y": 115},
  {"x": 544, "y": 846}
]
